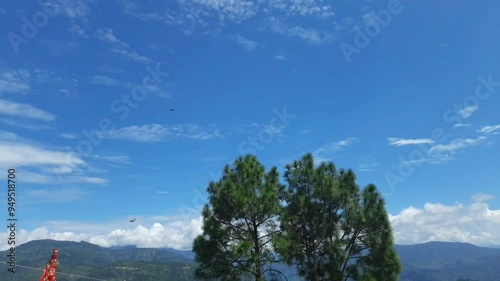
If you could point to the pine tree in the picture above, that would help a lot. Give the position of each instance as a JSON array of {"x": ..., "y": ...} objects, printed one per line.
[
  {"x": 332, "y": 230},
  {"x": 239, "y": 222}
]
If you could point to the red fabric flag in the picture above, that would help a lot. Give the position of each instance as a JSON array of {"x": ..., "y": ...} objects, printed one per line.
[{"x": 50, "y": 272}]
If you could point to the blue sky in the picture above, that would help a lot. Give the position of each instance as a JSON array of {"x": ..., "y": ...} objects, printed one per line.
[{"x": 415, "y": 94}]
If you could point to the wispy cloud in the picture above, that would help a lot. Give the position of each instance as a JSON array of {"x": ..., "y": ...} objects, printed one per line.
[
  {"x": 438, "y": 153},
  {"x": 104, "y": 80},
  {"x": 312, "y": 8},
  {"x": 327, "y": 151},
  {"x": 77, "y": 11},
  {"x": 467, "y": 112},
  {"x": 14, "y": 81},
  {"x": 456, "y": 145},
  {"x": 277, "y": 133},
  {"x": 106, "y": 35},
  {"x": 131, "y": 55},
  {"x": 246, "y": 43},
  {"x": 25, "y": 124},
  {"x": 119, "y": 47},
  {"x": 20, "y": 81},
  {"x": 26, "y": 155},
  {"x": 157, "y": 133},
  {"x": 311, "y": 36},
  {"x": 69, "y": 136},
  {"x": 24, "y": 110},
  {"x": 489, "y": 129},
  {"x": 122, "y": 159},
  {"x": 482, "y": 197},
  {"x": 57, "y": 48},
  {"x": 367, "y": 164},
  {"x": 279, "y": 57},
  {"x": 215, "y": 15},
  {"x": 42, "y": 164},
  {"x": 460, "y": 125},
  {"x": 403, "y": 142}
]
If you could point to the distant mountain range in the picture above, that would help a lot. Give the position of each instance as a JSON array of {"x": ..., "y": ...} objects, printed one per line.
[{"x": 433, "y": 261}]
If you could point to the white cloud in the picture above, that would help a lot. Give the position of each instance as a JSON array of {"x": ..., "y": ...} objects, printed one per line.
[
  {"x": 43, "y": 76},
  {"x": 309, "y": 35},
  {"x": 24, "y": 110},
  {"x": 19, "y": 81},
  {"x": 313, "y": 8},
  {"x": 461, "y": 125},
  {"x": 77, "y": 11},
  {"x": 106, "y": 35},
  {"x": 403, "y": 142},
  {"x": 104, "y": 80},
  {"x": 25, "y": 124},
  {"x": 347, "y": 23},
  {"x": 370, "y": 18},
  {"x": 246, "y": 43},
  {"x": 4, "y": 135},
  {"x": 277, "y": 133},
  {"x": 482, "y": 197},
  {"x": 78, "y": 30},
  {"x": 222, "y": 10},
  {"x": 118, "y": 46},
  {"x": 475, "y": 223},
  {"x": 325, "y": 153},
  {"x": 131, "y": 55},
  {"x": 40, "y": 164},
  {"x": 214, "y": 15},
  {"x": 175, "y": 232},
  {"x": 26, "y": 155},
  {"x": 69, "y": 136},
  {"x": 455, "y": 145},
  {"x": 367, "y": 164},
  {"x": 489, "y": 129},
  {"x": 437, "y": 153},
  {"x": 14, "y": 81},
  {"x": 157, "y": 133},
  {"x": 467, "y": 112},
  {"x": 123, "y": 159},
  {"x": 57, "y": 48},
  {"x": 279, "y": 57}
]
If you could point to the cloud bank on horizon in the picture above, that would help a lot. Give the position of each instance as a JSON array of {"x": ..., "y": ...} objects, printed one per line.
[
  {"x": 473, "y": 223},
  {"x": 85, "y": 119}
]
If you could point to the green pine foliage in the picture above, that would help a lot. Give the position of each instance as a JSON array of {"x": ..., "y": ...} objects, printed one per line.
[
  {"x": 239, "y": 222},
  {"x": 321, "y": 222}
]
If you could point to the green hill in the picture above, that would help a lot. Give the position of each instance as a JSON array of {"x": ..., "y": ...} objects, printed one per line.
[
  {"x": 435, "y": 261},
  {"x": 90, "y": 260}
]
